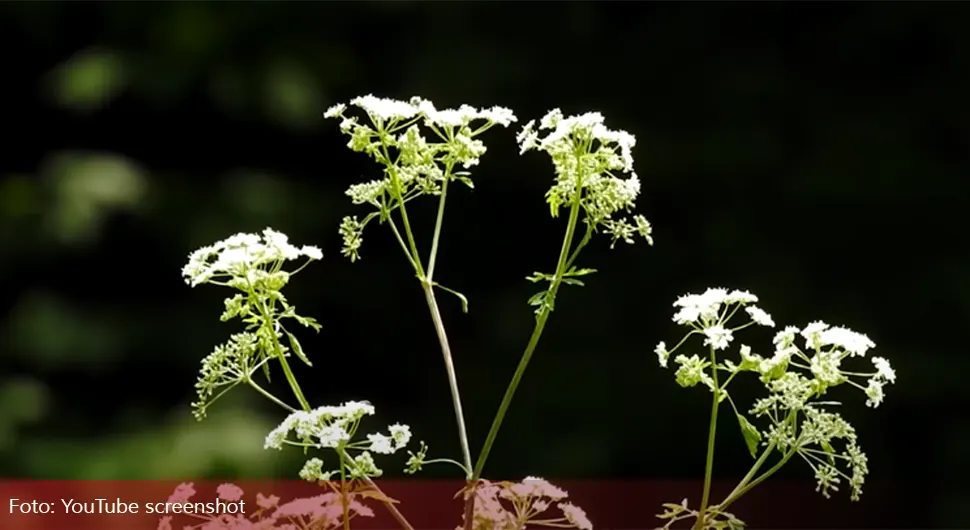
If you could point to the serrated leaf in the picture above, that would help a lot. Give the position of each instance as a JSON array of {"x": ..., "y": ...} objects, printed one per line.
[
  {"x": 751, "y": 435},
  {"x": 580, "y": 272},
  {"x": 297, "y": 349},
  {"x": 539, "y": 277},
  {"x": 538, "y": 298}
]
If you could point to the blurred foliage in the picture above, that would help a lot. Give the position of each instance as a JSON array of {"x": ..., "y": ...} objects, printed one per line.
[{"x": 814, "y": 154}]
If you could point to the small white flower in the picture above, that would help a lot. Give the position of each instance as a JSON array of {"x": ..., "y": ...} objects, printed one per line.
[
  {"x": 884, "y": 371},
  {"x": 385, "y": 109},
  {"x": 812, "y": 334},
  {"x": 401, "y": 434},
  {"x": 380, "y": 444},
  {"x": 874, "y": 393},
  {"x": 785, "y": 338},
  {"x": 700, "y": 308},
  {"x": 662, "y": 353},
  {"x": 740, "y": 297},
  {"x": 718, "y": 337},
  {"x": 312, "y": 252},
  {"x": 576, "y": 516},
  {"x": 857, "y": 344},
  {"x": 333, "y": 435},
  {"x": 243, "y": 256},
  {"x": 538, "y": 487},
  {"x": 759, "y": 316},
  {"x": 335, "y": 110}
]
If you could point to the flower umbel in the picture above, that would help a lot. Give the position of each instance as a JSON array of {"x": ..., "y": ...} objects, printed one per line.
[
  {"x": 334, "y": 428},
  {"x": 588, "y": 157},
  {"x": 414, "y": 163},
  {"x": 500, "y": 505},
  {"x": 252, "y": 265},
  {"x": 798, "y": 423}
]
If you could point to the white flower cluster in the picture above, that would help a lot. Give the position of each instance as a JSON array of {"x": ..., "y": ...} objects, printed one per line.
[
  {"x": 414, "y": 165},
  {"x": 790, "y": 392},
  {"x": 520, "y": 504},
  {"x": 708, "y": 314},
  {"x": 586, "y": 155},
  {"x": 244, "y": 258},
  {"x": 334, "y": 427}
]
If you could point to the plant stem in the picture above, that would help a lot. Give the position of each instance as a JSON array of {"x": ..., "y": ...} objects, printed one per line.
[
  {"x": 740, "y": 491},
  {"x": 428, "y": 286},
  {"x": 268, "y": 396},
  {"x": 452, "y": 376},
  {"x": 343, "y": 492},
  {"x": 541, "y": 319},
  {"x": 747, "y": 483},
  {"x": 709, "y": 466}
]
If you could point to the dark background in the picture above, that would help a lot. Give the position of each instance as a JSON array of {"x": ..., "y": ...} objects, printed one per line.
[{"x": 815, "y": 154}]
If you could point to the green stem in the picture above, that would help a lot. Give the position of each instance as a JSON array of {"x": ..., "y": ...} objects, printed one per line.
[
  {"x": 740, "y": 491},
  {"x": 712, "y": 431},
  {"x": 747, "y": 483},
  {"x": 439, "y": 220},
  {"x": 536, "y": 334},
  {"x": 269, "y": 396}
]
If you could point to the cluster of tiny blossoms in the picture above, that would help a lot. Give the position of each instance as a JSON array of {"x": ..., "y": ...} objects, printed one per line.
[
  {"x": 321, "y": 512},
  {"x": 252, "y": 264},
  {"x": 587, "y": 156},
  {"x": 790, "y": 391},
  {"x": 503, "y": 505},
  {"x": 245, "y": 260},
  {"x": 334, "y": 428},
  {"x": 414, "y": 164}
]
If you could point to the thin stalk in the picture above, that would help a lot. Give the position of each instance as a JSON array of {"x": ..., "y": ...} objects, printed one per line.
[
  {"x": 428, "y": 286},
  {"x": 709, "y": 466},
  {"x": 740, "y": 491},
  {"x": 747, "y": 483},
  {"x": 541, "y": 319}
]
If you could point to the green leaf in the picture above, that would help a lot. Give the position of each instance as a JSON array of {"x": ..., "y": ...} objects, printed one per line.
[
  {"x": 538, "y": 299},
  {"x": 540, "y": 277},
  {"x": 570, "y": 281},
  {"x": 579, "y": 272},
  {"x": 297, "y": 349},
  {"x": 751, "y": 435},
  {"x": 266, "y": 372}
]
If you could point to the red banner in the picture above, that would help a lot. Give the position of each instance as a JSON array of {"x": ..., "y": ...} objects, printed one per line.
[{"x": 426, "y": 505}]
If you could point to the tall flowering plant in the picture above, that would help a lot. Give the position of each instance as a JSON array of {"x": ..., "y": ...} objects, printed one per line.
[{"x": 422, "y": 152}]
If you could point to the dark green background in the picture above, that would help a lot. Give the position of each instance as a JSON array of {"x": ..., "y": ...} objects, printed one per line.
[{"x": 815, "y": 154}]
